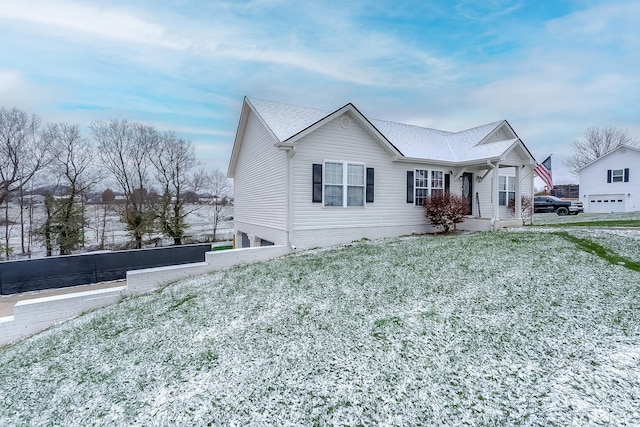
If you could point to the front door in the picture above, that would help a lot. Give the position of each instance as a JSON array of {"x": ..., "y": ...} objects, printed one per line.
[{"x": 467, "y": 190}]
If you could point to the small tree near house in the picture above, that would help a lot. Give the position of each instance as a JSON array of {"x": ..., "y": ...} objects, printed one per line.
[
  {"x": 218, "y": 185},
  {"x": 526, "y": 204},
  {"x": 446, "y": 210}
]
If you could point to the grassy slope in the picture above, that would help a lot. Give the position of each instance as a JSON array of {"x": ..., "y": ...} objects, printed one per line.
[{"x": 499, "y": 328}]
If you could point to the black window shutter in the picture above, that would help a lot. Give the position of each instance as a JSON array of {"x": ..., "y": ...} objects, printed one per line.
[
  {"x": 409, "y": 186},
  {"x": 369, "y": 185},
  {"x": 626, "y": 174},
  {"x": 608, "y": 175},
  {"x": 317, "y": 183},
  {"x": 447, "y": 182}
]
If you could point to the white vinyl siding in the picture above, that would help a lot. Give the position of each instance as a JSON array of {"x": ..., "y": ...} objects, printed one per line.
[
  {"x": 352, "y": 145},
  {"x": 260, "y": 183}
]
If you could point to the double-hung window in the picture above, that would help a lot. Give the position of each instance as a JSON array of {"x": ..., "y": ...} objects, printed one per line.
[
  {"x": 333, "y": 184},
  {"x": 506, "y": 189},
  {"x": 437, "y": 182},
  {"x": 344, "y": 184},
  {"x": 617, "y": 175},
  {"x": 427, "y": 183},
  {"x": 355, "y": 184}
]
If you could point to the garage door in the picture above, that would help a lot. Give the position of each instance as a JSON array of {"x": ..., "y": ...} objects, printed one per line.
[{"x": 605, "y": 203}]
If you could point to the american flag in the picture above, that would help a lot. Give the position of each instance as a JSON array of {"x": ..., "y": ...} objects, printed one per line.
[{"x": 544, "y": 172}]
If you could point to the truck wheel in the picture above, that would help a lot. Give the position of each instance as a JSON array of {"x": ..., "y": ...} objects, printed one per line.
[{"x": 562, "y": 211}]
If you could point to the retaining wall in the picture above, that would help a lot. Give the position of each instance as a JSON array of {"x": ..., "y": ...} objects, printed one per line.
[
  {"x": 72, "y": 270},
  {"x": 34, "y": 315}
]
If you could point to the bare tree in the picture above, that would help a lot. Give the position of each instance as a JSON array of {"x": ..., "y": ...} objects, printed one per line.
[
  {"x": 173, "y": 159},
  {"x": 596, "y": 143},
  {"x": 218, "y": 185},
  {"x": 124, "y": 150},
  {"x": 22, "y": 153},
  {"x": 72, "y": 164},
  {"x": 46, "y": 230}
]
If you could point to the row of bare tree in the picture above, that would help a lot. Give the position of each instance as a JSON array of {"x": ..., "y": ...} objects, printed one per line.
[{"x": 136, "y": 158}]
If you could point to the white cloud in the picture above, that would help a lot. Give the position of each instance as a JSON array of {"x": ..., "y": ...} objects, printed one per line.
[
  {"x": 111, "y": 23},
  {"x": 485, "y": 10}
]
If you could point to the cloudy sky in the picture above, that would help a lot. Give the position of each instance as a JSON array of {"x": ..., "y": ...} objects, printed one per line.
[{"x": 552, "y": 68}]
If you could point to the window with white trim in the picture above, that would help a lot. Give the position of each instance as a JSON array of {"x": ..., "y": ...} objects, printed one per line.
[
  {"x": 506, "y": 189},
  {"x": 344, "y": 184},
  {"x": 355, "y": 185},
  {"x": 427, "y": 183},
  {"x": 437, "y": 182},
  {"x": 617, "y": 175}
]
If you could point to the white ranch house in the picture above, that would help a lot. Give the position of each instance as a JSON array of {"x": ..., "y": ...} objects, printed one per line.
[
  {"x": 611, "y": 183},
  {"x": 308, "y": 178}
]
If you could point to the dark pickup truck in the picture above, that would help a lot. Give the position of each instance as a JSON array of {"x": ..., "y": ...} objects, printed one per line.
[{"x": 559, "y": 206}]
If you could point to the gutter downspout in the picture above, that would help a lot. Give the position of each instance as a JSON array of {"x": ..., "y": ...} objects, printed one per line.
[
  {"x": 290, "y": 152},
  {"x": 518, "y": 200}
]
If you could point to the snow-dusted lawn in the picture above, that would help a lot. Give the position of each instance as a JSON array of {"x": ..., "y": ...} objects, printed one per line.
[
  {"x": 552, "y": 218},
  {"x": 476, "y": 329}
]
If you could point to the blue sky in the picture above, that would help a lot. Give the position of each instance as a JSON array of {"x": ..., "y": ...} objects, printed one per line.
[{"x": 551, "y": 68}]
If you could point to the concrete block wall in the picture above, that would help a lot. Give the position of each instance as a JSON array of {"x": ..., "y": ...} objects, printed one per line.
[
  {"x": 148, "y": 279},
  {"x": 33, "y": 315},
  {"x": 220, "y": 260}
]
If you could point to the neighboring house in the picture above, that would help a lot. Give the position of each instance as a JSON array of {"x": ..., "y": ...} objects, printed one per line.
[
  {"x": 611, "y": 183},
  {"x": 309, "y": 178}
]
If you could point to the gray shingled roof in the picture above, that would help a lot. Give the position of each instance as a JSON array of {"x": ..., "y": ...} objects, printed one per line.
[{"x": 286, "y": 120}]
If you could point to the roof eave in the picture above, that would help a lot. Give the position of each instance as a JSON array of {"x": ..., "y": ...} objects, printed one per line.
[
  {"x": 235, "y": 151},
  {"x": 610, "y": 152},
  {"x": 247, "y": 107},
  {"x": 404, "y": 159}
]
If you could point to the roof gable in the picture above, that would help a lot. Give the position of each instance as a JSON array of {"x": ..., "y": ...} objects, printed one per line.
[
  {"x": 624, "y": 146},
  {"x": 289, "y": 123},
  {"x": 502, "y": 132}
]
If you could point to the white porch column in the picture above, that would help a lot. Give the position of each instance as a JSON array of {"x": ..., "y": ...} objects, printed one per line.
[
  {"x": 495, "y": 200},
  {"x": 518, "y": 201}
]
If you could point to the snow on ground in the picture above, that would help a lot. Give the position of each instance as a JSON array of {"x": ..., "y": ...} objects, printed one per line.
[
  {"x": 552, "y": 218},
  {"x": 199, "y": 220},
  {"x": 624, "y": 241},
  {"x": 473, "y": 329}
]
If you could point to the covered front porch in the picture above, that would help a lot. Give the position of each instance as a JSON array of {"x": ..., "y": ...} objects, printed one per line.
[{"x": 494, "y": 192}]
